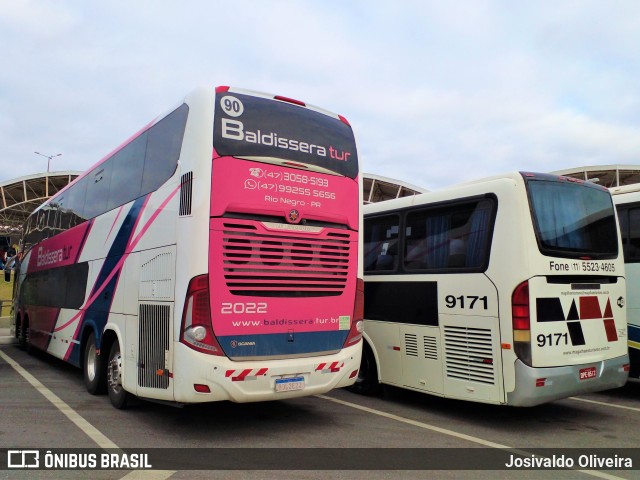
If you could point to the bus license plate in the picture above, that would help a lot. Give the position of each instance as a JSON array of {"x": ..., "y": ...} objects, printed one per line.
[
  {"x": 289, "y": 384},
  {"x": 586, "y": 373}
]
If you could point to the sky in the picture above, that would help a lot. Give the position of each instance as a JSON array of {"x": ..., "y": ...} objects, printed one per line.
[{"x": 437, "y": 92}]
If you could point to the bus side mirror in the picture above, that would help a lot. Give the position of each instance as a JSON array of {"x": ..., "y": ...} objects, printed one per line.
[{"x": 7, "y": 275}]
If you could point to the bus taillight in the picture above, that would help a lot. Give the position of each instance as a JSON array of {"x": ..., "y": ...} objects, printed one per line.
[
  {"x": 521, "y": 322},
  {"x": 520, "y": 307},
  {"x": 196, "y": 331},
  {"x": 357, "y": 325}
]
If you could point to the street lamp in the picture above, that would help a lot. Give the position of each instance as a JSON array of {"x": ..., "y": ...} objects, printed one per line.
[{"x": 48, "y": 157}]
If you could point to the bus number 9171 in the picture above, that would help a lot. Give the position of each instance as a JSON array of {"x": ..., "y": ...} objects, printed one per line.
[
  {"x": 552, "y": 339},
  {"x": 466, "y": 301}
]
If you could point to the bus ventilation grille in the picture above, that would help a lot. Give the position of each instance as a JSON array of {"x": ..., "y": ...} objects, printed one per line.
[
  {"x": 430, "y": 347},
  {"x": 153, "y": 346},
  {"x": 186, "y": 184},
  {"x": 469, "y": 354},
  {"x": 411, "y": 344},
  {"x": 260, "y": 263}
]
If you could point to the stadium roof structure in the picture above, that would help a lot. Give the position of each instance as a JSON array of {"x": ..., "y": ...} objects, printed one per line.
[
  {"x": 377, "y": 188},
  {"x": 606, "y": 175},
  {"x": 21, "y": 196}
]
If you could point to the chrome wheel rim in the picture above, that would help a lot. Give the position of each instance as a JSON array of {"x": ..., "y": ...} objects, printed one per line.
[
  {"x": 91, "y": 363},
  {"x": 115, "y": 373}
]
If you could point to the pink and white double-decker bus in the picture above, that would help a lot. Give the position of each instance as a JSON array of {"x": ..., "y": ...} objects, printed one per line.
[{"x": 212, "y": 256}]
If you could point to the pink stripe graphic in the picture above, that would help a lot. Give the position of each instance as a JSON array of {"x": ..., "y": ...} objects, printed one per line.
[
  {"x": 114, "y": 224},
  {"x": 132, "y": 244}
]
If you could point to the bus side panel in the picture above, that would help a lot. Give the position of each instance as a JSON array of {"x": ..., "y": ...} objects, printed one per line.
[
  {"x": 633, "y": 315},
  {"x": 156, "y": 288},
  {"x": 402, "y": 316},
  {"x": 41, "y": 323},
  {"x": 62, "y": 333},
  {"x": 470, "y": 338},
  {"x": 129, "y": 288},
  {"x": 421, "y": 362},
  {"x": 385, "y": 342},
  {"x": 438, "y": 337}
]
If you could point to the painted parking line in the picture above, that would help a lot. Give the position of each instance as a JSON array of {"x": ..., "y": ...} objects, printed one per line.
[
  {"x": 613, "y": 405},
  {"x": 451, "y": 433},
  {"x": 92, "y": 432},
  {"x": 104, "y": 442}
]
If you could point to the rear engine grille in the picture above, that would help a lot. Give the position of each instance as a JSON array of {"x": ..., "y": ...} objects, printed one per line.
[
  {"x": 469, "y": 354},
  {"x": 264, "y": 264},
  {"x": 153, "y": 346}
]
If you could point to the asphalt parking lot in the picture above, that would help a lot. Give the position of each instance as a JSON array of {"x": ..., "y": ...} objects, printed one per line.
[{"x": 44, "y": 406}]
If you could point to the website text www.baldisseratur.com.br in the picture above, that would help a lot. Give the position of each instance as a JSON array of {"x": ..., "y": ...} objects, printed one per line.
[{"x": 288, "y": 321}]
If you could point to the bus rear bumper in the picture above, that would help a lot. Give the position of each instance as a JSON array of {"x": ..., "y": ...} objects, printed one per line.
[
  {"x": 255, "y": 381},
  {"x": 535, "y": 386}
]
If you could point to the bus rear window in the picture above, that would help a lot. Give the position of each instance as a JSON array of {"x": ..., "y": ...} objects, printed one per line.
[
  {"x": 573, "y": 220},
  {"x": 248, "y": 126}
]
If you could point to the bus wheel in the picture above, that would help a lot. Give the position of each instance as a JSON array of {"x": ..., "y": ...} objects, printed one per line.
[
  {"x": 94, "y": 367},
  {"x": 118, "y": 396},
  {"x": 367, "y": 380},
  {"x": 22, "y": 338}
]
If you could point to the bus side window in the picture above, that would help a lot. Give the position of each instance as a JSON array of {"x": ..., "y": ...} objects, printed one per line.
[
  {"x": 75, "y": 198},
  {"x": 388, "y": 255},
  {"x": 164, "y": 144},
  {"x": 428, "y": 242},
  {"x": 457, "y": 253},
  {"x": 381, "y": 243},
  {"x": 127, "y": 167},
  {"x": 632, "y": 252},
  {"x": 450, "y": 237},
  {"x": 459, "y": 230},
  {"x": 98, "y": 189},
  {"x": 415, "y": 246},
  {"x": 623, "y": 220}
]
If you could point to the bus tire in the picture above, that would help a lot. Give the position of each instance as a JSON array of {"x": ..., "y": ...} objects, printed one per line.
[
  {"x": 117, "y": 394},
  {"x": 367, "y": 380},
  {"x": 24, "y": 340},
  {"x": 94, "y": 367},
  {"x": 21, "y": 334}
]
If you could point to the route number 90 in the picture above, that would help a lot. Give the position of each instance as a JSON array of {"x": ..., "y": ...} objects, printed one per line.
[{"x": 231, "y": 106}]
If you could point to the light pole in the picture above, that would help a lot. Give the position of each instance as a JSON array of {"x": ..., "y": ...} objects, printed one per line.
[{"x": 48, "y": 157}]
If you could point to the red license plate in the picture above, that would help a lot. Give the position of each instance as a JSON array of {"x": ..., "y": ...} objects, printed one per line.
[{"x": 586, "y": 373}]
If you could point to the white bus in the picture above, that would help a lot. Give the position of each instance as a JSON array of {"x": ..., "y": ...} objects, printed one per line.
[
  {"x": 508, "y": 290},
  {"x": 212, "y": 256},
  {"x": 627, "y": 201}
]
